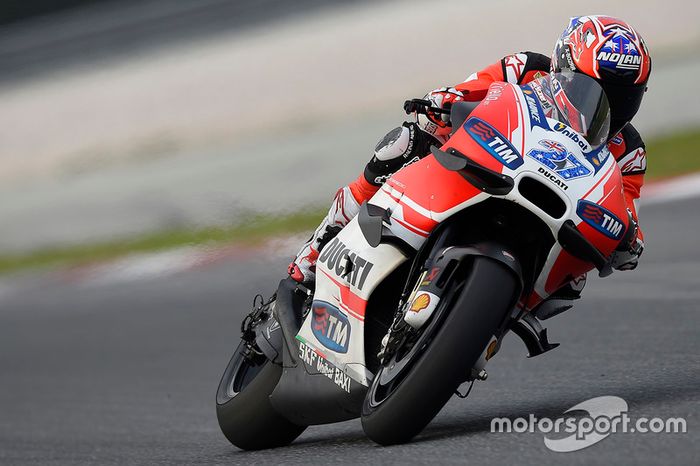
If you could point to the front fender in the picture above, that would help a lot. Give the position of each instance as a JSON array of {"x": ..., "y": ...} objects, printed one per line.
[{"x": 443, "y": 267}]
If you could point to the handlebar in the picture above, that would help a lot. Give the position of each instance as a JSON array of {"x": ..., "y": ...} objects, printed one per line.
[{"x": 423, "y": 106}]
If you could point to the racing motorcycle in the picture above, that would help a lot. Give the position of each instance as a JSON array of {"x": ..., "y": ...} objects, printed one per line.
[{"x": 415, "y": 295}]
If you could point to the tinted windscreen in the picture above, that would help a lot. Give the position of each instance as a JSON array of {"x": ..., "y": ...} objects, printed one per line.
[{"x": 582, "y": 105}]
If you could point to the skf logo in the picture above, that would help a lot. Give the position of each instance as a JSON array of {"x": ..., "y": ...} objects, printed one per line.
[
  {"x": 330, "y": 326},
  {"x": 601, "y": 219},
  {"x": 493, "y": 142}
]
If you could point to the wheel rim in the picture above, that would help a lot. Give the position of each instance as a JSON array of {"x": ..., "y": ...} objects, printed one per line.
[
  {"x": 239, "y": 373},
  {"x": 392, "y": 374}
]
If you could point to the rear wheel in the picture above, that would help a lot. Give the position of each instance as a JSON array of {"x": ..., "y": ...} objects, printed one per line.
[
  {"x": 243, "y": 407},
  {"x": 412, "y": 387}
]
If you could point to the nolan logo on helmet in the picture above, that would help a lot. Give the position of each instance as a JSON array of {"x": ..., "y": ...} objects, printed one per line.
[{"x": 620, "y": 52}]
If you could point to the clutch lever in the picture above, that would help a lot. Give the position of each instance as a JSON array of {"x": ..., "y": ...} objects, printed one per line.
[{"x": 423, "y": 106}]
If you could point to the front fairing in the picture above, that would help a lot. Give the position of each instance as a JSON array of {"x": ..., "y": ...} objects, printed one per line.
[{"x": 510, "y": 133}]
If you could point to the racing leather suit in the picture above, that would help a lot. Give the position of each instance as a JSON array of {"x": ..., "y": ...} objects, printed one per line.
[{"x": 411, "y": 142}]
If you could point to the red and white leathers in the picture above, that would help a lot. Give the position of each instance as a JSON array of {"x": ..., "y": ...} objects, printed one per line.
[
  {"x": 411, "y": 142},
  {"x": 346, "y": 205}
]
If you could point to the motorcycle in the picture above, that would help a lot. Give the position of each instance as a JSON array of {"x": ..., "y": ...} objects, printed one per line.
[{"x": 414, "y": 296}]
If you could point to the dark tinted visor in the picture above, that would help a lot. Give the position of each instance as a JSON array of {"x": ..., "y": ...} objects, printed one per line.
[
  {"x": 583, "y": 105},
  {"x": 625, "y": 100}
]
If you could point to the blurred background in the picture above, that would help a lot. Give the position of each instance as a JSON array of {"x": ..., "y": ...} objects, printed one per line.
[
  {"x": 121, "y": 118},
  {"x": 160, "y": 158}
]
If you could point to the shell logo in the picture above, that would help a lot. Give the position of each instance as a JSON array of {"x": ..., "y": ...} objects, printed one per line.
[{"x": 421, "y": 302}]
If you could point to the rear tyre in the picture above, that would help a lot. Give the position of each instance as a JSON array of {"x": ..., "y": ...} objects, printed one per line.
[
  {"x": 243, "y": 407},
  {"x": 401, "y": 402}
]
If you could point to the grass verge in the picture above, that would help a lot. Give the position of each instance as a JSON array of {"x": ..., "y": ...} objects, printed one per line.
[
  {"x": 673, "y": 155},
  {"x": 668, "y": 156},
  {"x": 252, "y": 230}
]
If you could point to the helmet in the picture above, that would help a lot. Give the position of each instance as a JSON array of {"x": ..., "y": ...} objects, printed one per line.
[{"x": 610, "y": 51}]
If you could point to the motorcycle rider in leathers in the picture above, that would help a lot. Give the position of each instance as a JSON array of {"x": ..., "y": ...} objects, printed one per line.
[{"x": 607, "y": 49}]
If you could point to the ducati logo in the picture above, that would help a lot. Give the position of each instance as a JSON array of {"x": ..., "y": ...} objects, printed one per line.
[{"x": 346, "y": 264}]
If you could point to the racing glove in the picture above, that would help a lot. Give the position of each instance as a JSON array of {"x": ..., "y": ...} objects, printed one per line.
[
  {"x": 626, "y": 256},
  {"x": 627, "y": 259},
  {"x": 439, "y": 124}
]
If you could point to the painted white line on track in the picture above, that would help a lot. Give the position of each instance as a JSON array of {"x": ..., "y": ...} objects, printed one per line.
[
  {"x": 682, "y": 187},
  {"x": 162, "y": 264},
  {"x": 143, "y": 267}
]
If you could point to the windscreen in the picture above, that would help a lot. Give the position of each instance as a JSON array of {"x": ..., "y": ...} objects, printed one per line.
[{"x": 581, "y": 104}]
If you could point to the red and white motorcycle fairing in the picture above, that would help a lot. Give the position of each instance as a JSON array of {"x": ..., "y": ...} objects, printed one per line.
[{"x": 425, "y": 193}]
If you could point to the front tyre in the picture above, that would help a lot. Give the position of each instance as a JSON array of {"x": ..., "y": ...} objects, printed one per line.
[
  {"x": 409, "y": 391},
  {"x": 243, "y": 407}
]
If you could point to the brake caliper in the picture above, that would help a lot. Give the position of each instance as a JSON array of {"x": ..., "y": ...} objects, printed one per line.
[{"x": 259, "y": 314}]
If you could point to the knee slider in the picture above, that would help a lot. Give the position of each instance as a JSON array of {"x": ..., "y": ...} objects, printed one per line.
[
  {"x": 397, "y": 143},
  {"x": 400, "y": 147}
]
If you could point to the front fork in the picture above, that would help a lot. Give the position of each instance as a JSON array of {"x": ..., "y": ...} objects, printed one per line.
[
  {"x": 419, "y": 306},
  {"x": 441, "y": 269}
]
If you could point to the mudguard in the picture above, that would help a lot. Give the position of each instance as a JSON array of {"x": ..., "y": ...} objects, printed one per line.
[
  {"x": 460, "y": 253},
  {"x": 440, "y": 269}
]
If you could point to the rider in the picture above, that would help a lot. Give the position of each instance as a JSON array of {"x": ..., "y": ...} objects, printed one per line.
[{"x": 604, "y": 48}]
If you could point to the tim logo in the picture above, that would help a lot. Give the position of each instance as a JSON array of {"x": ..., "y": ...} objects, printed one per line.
[
  {"x": 554, "y": 156},
  {"x": 330, "y": 326},
  {"x": 601, "y": 219},
  {"x": 493, "y": 142},
  {"x": 619, "y": 52}
]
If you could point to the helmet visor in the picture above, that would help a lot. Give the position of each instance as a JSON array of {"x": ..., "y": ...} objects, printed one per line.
[
  {"x": 582, "y": 105},
  {"x": 625, "y": 100}
]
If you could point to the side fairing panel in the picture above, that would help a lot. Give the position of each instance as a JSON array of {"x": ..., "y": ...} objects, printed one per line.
[
  {"x": 421, "y": 196},
  {"x": 601, "y": 215},
  {"x": 347, "y": 272},
  {"x": 425, "y": 193}
]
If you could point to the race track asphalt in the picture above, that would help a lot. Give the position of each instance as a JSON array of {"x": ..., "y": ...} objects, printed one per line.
[{"x": 125, "y": 373}]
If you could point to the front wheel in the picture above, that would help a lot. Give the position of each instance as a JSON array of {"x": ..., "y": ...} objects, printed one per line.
[
  {"x": 243, "y": 407},
  {"x": 412, "y": 387}
]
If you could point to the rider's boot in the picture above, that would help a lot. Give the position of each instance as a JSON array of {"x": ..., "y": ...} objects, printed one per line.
[{"x": 345, "y": 207}]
